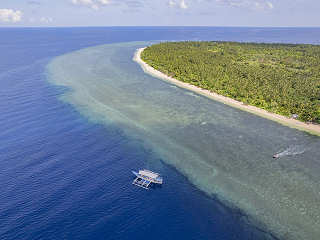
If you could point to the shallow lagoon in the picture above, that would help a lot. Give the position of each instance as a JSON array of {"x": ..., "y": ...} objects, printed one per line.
[
  {"x": 64, "y": 177},
  {"x": 225, "y": 152}
]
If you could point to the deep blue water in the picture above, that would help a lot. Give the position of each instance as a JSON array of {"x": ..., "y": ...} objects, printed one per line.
[{"x": 65, "y": 177}]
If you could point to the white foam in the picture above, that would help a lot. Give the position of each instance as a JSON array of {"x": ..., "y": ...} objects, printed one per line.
[{"x": 291, "y": 151}]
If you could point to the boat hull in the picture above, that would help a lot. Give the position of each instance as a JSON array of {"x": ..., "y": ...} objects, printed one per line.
[{"x": 157, "y": 180}]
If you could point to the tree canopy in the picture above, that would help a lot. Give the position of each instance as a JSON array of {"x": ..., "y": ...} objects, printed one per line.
[{"x": 280, "y": 78}]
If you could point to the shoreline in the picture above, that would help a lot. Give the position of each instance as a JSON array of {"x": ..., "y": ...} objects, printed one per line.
[{"x": 289, "y": 122}]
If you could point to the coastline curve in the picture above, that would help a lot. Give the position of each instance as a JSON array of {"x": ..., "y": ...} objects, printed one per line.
[
  {"x": 289, "y": 122},
  {"x": 222, "y": 150}
]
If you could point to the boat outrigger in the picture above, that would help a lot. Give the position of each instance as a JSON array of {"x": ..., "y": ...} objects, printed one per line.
[{"x": 144, "y": 178}]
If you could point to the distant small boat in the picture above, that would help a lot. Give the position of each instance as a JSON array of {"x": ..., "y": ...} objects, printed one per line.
[
  {"x": 275, "y": 156},
  {"x": 144, "y": 178}
]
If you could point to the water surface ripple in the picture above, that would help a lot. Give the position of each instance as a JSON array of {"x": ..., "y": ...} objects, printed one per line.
[
  {"x": 64, "y": 177},
  {"x": 223, "y": 151}
]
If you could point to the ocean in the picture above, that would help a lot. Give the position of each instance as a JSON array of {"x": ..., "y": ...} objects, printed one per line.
[{"x": 77, "y": 115}]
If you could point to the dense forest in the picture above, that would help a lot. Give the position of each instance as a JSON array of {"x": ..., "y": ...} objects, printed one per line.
[{"x": 280, "y": 78}]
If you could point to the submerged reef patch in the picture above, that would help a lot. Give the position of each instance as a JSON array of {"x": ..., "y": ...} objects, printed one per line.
[{"x": 200, "y": 138}]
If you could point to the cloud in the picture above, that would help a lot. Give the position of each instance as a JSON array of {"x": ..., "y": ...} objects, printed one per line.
[
  {"x": 270, "y": 5},
  {"x": 34, "y": 3},
  {"x": 46, "y": 20},
  {"x": 41, "y": 20},
  {"x": 250, "y": 4},
  {"x": 172, "y": 3},
  {"x": 134, "y": 4},
  {"x": 181, "y": 4},
  {"x": 94, "y": 4},
  {"x": 10, "y": 15}
]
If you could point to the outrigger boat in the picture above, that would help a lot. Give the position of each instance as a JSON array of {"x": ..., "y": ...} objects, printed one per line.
[{"x": 144, "y": 178}]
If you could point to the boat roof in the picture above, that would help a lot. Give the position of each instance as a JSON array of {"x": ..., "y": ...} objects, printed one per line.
[{"x": 148, "y": 173}]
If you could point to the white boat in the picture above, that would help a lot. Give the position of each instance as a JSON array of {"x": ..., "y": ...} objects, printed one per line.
[{"x": 144, "y": 178}]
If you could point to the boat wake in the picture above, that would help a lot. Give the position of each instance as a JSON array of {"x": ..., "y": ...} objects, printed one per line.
[
  {"x": 207, "y": 142},
  {"x": 291, "y": 151}
]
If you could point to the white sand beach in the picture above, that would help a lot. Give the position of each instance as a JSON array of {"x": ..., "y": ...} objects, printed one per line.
[{"x": 308, "y": 127}]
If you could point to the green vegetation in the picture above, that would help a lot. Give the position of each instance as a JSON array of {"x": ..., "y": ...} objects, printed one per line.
[{"x": 281, "y": 78}]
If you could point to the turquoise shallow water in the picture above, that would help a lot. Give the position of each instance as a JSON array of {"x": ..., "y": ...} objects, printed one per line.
[{"x": 223, "y": 151}]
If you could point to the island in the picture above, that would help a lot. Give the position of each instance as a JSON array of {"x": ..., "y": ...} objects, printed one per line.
[{"x": 280, "y": 82}]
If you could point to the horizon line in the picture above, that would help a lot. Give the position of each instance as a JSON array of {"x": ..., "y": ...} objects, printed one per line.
[{"x": 159, "y": 26}]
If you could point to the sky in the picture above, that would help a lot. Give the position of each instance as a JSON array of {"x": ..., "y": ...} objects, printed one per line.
[{"x": 256, "y": 13}]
